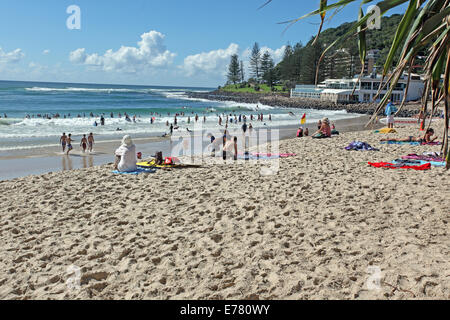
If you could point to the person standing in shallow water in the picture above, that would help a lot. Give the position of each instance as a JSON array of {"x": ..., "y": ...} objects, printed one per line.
[
  {"x": 69, "y": 143},
  {"x": 63, "y": 141},
  {"x": 91, "y": 141},
  {"x": 83, "y": 143}
]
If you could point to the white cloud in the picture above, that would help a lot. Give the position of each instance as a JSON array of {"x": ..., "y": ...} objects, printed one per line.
[
  {"x": 78, "y": 56},
  {"x": 11, "y": 57},
  {"x": 150, "y": 52},
  {"x": 212, "y": 62},
  {"x": 45, "y": 52},
  {"x": 277, "y": 54}
]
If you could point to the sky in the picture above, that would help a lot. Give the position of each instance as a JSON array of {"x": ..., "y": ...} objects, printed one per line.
[{"x": 147, "y": 42}]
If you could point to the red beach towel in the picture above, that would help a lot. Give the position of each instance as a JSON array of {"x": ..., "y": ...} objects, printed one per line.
[{"x": 425, "y": 166}]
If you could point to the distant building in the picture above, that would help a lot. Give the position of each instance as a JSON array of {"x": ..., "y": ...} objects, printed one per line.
[
  {"x": 344, "y": 64},
  {"x": 340, "y": 90},
  {"x": 371, "y": 60}
]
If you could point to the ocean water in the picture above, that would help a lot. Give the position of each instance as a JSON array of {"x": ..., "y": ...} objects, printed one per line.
[{"x": 23, "y": 102}]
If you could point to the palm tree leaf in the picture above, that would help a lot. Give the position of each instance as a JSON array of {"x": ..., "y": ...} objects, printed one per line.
[{"x": 400, "y": 34}]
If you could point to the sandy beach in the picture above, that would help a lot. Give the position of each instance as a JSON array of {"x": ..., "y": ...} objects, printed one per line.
[
  {"x": 319, "y": 228},
  {"x": 40, "y": 160}
]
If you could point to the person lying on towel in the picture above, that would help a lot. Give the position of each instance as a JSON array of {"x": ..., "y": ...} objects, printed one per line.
[
  {"x": 324, "y": 131},
  {"x": 427, "y": 139}
]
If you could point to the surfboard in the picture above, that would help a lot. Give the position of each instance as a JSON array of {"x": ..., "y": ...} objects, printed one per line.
[
  {"x": 151, "y": 164},
  {"x": 408, "y": 120}
]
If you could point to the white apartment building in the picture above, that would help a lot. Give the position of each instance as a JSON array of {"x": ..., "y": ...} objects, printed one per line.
[{"x": 340, "y": 90}]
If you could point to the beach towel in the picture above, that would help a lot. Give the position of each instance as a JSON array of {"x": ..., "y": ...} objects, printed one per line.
[
  {"x": 434, "y": 143},
  {"x": 360, "y": 146},
  {"x": 413, "y": 143},
  {"x": 320, "y": 135},
  {"x": 418, "y": 162},
  {"x": 414, "y": 156},
  {"x": 433, "y": 154},
  {"x": 388, "y": 165},
  {"x": 386, "y": 130},
  {"x": 136, "y": 172},
  {"x": 390, "y": 109}
]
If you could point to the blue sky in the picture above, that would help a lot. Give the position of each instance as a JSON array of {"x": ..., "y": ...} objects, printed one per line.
[{"x": 182, "y": 42}]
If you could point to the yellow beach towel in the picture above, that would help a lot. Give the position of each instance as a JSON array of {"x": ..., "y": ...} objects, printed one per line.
[{"x": 387, "y": 130}]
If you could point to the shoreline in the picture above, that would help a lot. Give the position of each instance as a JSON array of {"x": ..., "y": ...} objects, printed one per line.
[
  {"x": 50, "y": 159},
  {"x": 283, "y": 100}
]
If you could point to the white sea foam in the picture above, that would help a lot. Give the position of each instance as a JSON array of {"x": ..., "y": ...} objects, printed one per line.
[{"x": 98, "y": 90}]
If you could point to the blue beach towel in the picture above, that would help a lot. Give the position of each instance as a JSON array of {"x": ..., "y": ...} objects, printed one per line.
[
  {"x": 413, "y": 143},
  {"x": 410, "y": 162},
  {"x": 138, "y": 171}
]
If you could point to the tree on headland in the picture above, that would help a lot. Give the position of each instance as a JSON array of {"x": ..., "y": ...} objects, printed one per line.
[
  {"x": 255, "y": 62},
  {"x": 266, "y": 63},
  {"x": 242, "y": 72},
  {"x": 234, "y": 70}
]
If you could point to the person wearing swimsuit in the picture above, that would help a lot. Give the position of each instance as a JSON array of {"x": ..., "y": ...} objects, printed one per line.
[
  {"x": 69, "y": 143},
  {"x": 91, "y": 141},
  {"x": 83, "y": 143},
  {"x": 63, "y": 141},
  {"x": 426, "y": 139}
]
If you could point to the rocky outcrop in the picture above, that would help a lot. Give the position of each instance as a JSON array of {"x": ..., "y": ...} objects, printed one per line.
[{"x": 283, "y": 100}]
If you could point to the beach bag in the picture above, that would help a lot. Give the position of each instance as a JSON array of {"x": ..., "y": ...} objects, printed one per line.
[{"x": 168, "y": 160}]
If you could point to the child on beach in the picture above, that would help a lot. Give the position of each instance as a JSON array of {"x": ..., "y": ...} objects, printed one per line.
[
  {"x": 69, "y": 143},
  {"x": 91, "y": 141},
  {"x": 83, "y": 143},
  {"x": 389, "y": 112},
  {"x": 63, "y": 141}
]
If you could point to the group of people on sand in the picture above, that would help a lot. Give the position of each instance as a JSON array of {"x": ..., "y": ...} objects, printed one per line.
[
  {"x": 324, "y": 130},
  {"x": 86, "y": 142}
]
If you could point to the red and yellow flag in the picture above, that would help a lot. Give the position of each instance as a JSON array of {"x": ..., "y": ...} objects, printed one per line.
[{"x": 303, "y": 121}]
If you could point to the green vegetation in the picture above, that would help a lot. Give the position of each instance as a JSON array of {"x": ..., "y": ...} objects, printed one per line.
[
  {"x": 234, "y": 69},
  {"x": 263, "y": 88},
  {"x": 299, "y": 63}
]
